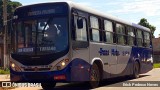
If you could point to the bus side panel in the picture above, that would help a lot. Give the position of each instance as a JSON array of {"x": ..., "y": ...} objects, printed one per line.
[
  {"x": 105, "y": 52},
  {"x": 124, "y": 64},
  {"x": 144, "y": 55},
  {"x": 80, "y": 65}
]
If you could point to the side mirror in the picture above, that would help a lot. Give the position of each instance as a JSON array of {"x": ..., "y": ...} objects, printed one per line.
[{"x": 80, "y": 23}]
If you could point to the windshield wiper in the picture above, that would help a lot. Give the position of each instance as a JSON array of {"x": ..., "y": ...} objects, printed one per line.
[{"x": 48, "y": 21}]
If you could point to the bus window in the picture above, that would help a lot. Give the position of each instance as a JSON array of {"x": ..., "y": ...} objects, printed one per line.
[
  {"x": 131, "y": 36},
  {"x": 146, "y": 39},
  {"x": 94, "y": 29},
  {"x": 20, "y": 35},
  {"x": 120, "y": 30},
  {"x": 81, "y": 34},
  {"x": 29, "y": 33},
  {"x": 108, "y": 30},
  {"x": 139, "y": 38}
]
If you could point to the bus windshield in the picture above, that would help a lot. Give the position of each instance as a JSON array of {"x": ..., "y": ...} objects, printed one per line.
[{"x": 47, "y": 35}]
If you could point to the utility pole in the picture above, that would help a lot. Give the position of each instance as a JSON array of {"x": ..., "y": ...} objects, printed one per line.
[{"x": 5, "y": 60}]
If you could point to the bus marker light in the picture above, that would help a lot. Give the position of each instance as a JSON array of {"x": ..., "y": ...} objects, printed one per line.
[
  {"x": 59, "y": 77},
  {"x": 81, "y": 66},
  {"x": 58, "y": 67},
  {"x": 66, "y": 60}
]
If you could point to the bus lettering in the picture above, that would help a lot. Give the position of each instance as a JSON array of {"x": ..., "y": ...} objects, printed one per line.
[
  {"x": 25, "y": 50},
  {"x": 47, "y": 48},
  {"x": 104, "y": 52},
  {"x": 43, "y": 12}
]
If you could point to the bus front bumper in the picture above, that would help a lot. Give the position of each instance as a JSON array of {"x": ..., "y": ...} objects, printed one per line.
[
  {"x": 48, "y": 76},
  {"x": 76, "y": 70}
]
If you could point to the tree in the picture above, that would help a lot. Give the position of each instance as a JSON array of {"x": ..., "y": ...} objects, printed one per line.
[
  {"x": 145, "y": 23},
  {"x": 11, "y": 6}
]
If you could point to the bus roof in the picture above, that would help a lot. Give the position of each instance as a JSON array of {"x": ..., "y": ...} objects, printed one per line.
[
  {"x": 104, "y": 15},
  {"x": 98, "y": 13}
]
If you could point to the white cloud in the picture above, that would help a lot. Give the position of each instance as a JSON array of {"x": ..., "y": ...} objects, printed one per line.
[
  {"x": 85, "y": 3},
  {"x": 148, "y": 7}
]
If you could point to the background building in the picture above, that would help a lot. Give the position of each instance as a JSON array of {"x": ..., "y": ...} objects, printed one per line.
[{"x": 156, "y": 49}]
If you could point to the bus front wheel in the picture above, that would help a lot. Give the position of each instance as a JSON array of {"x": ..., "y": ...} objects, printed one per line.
[
  {"x": 94, "y": 76},
  {"x": 48, "y": 86}
]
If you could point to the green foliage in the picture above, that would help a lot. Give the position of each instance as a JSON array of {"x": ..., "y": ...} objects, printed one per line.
[
  {"x": 4, "y": 71},
  {"x": 11, "y": 6},
  {"x": 156, "y": 65},
  {"x": 145, "y": 23}
]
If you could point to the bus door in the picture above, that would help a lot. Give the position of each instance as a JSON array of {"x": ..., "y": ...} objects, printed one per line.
[{"x": 80, "y": 50}]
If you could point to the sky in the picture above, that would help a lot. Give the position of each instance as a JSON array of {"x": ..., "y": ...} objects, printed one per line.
[{"x": 129, "y": 10}]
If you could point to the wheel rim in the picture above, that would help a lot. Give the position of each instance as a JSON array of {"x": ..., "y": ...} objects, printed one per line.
[{"x": 94, "y": 75}]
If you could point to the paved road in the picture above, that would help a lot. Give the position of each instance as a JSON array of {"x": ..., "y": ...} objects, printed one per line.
[{"x": 153, "y": 75}]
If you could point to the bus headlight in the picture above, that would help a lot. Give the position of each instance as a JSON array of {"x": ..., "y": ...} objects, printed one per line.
[
  {"x": 14, "y": 67},
  {"x": 61, "y": 65}
]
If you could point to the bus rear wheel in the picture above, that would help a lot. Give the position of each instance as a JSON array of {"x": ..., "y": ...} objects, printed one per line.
[
  {"x": 94, "y": 76},
  {"x": 136, "y": 70},
  {"x": 48, "y": 86}
]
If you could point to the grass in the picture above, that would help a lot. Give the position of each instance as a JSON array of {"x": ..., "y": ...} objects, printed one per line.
[
  {"x": 4, "y": 71},
  {"x": 156, "y": 65}
]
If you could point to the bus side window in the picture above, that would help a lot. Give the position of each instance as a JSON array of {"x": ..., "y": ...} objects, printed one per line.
[
  {"x": 120, "y": 30},
  {"x": 131, "y": 36},
  {"x": 146, "y": 39},
  {"x": 94, "y": 29},
  {"x": 108, "y": 31},
  {"x": 139, "y": 38},
  {"x": 81, "y": 31}
]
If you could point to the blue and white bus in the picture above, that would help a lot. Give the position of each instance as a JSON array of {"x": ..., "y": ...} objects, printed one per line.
[{"x": 66, "y": 42}]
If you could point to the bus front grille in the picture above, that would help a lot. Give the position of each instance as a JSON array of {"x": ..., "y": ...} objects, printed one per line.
[{"x": 37, "y": 69}]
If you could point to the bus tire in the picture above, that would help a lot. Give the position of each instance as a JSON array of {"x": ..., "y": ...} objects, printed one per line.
[
  {"x": 136, "y": 70},
  {"x": 48, "y": 86},
  {"x": 94, "y": 76}
]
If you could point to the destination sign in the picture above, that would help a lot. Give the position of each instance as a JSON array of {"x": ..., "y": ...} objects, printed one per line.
[
  {"x": 41, "y": 12},
  {"x": 25, "y": 50},
  {"x": 47, "y": 48}
]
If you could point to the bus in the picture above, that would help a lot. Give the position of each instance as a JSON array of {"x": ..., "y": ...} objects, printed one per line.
[{"x": 67, "y": 42}]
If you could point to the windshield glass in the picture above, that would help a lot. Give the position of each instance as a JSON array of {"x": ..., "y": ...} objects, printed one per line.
[{"x": 42, "y": 35}]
